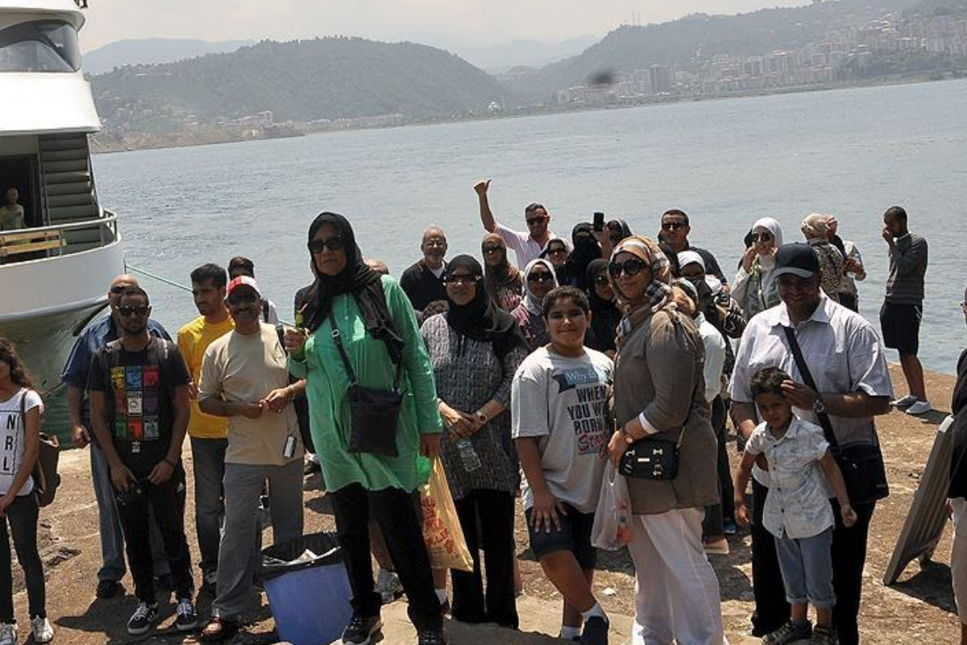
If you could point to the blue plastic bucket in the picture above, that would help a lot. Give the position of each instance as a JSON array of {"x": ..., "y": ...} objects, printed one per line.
[{"x": 309, "y": 600}]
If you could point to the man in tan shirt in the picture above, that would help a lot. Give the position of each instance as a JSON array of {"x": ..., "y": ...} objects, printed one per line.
[{"x": 244, "y": 377}]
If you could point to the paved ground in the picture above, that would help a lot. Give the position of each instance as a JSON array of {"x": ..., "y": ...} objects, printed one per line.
[{"x": 919, "y": 609}]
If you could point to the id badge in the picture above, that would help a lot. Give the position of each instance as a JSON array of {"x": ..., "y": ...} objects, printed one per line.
[{"x": 289, "y": 449}]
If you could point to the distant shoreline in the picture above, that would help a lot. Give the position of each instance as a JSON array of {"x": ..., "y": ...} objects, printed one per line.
[{"x": 107, "y": 144}]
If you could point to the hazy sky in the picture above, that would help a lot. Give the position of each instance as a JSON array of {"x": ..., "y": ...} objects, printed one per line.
[{"x": 468, "y": 21}]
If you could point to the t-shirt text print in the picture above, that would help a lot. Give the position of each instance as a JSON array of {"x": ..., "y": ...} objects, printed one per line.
[
  {"x": 589, "y": 408},
  {"x": 136, "y": 413},
  {"x": 12, "y": 441}
]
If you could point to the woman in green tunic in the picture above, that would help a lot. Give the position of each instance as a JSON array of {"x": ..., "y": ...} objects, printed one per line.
[{"x": 378, "y": 330}]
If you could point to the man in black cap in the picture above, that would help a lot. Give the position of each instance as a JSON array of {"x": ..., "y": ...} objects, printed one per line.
[{"x": 843, "y": 353}]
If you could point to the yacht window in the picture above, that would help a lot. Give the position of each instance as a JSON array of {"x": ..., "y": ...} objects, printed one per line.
[{"x": 39, "y": 46}]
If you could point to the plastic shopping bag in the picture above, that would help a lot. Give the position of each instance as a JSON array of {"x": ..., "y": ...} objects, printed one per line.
[
  {"x": 612, "y": 518},
  {"x": 441, "y": 525}
]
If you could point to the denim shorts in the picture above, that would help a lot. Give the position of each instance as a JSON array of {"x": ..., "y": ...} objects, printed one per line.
[
  {"x": 574, "y": 536},
  {"x": 807, "y": 569}
]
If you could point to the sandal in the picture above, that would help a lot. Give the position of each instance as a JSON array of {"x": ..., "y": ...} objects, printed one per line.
[{"x": 218, "y": 630}]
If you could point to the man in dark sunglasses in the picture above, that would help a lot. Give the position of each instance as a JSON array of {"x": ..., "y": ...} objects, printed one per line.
[
  {"x": 75, "y": 376},
  {"x": 423, "y": 282},
  {"x": 674, "y": 232},
  {"x": 527, "y": 246},
  {"x": 140, "y": 411}
]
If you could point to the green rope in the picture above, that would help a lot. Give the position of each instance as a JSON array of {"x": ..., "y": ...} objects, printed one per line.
[{"x": 172, "y": 283}]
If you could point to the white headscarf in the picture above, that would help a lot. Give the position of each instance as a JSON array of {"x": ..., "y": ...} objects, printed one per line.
[
  {"x": 690, "y": 257},
  {"x": 772, "y": 226},
  {"x": 532, "y": 303}
]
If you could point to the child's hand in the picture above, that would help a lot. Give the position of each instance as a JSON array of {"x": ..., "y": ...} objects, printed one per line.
[
  {"x": 849, "y": 515},
  {"x": 742, "y": 515}
]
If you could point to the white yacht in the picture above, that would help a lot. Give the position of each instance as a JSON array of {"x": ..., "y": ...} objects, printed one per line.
[{"x": 56, "y": 265}]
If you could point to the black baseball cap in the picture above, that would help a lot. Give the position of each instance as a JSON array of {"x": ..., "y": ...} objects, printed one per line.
[{"x": 797, "y": 259}]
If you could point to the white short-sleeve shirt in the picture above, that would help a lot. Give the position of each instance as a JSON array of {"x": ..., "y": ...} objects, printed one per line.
[
  {"x": 798, "y": 502},
  {"x": 525, "y": 246},
  {"x": 12, "y": 440}
]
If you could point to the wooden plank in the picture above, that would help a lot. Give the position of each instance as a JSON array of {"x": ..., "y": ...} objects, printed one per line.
[
  {"x": 927, "y": 518},
  {"x": 11, "y": 238}
]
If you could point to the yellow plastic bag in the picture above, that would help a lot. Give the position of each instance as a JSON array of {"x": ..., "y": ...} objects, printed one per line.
[{"x": 441, "y": 526}]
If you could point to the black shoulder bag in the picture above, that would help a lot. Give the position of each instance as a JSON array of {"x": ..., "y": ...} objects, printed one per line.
[
  {"x": 862, "y": 465},
  {"x": 375, "y": 413}
]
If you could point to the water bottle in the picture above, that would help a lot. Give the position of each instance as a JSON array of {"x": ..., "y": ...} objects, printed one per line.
[{"x": 468, "y": 455}]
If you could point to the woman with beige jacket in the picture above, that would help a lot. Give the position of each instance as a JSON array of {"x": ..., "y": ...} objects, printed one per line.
[{"x": 659, "y": 394}]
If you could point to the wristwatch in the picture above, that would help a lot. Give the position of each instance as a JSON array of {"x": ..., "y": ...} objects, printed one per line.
[
  {"x": 481, "y": 417},
  {"x": 819, "y": 407},
  {"x": 627, "y": 435}
]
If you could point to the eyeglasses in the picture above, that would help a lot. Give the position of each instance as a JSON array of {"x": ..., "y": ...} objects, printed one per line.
[
  {"x": 332, "y": 243},
  {"x": 139, "y": 310},
  {"x": 601, "y": 279},
  {"x": 460, "y": 279},
  {"x": 491, "y": 249},
  {"x": 672, "y": 226},
  {"x": 761, "y": 237},
  {"x": 531, "y": 221},
  {"x": 629, "y": 267},
  {"x": 539, "y": 276},
  {"x": 557, "y": 250},
  {"x": 243, "y": 299}
]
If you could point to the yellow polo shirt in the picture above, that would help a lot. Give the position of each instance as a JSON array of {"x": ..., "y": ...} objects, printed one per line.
[{"x": 193, "y": 339}]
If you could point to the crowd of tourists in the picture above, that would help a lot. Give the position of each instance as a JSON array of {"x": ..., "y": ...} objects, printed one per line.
[{"x": 535, "y": 380}]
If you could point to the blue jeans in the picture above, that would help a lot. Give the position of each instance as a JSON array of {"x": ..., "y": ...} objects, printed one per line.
[
  {"x": 208, "y": 464},
  {"x": 807, "y": 569},
  {"x": 112, "y": 537}
]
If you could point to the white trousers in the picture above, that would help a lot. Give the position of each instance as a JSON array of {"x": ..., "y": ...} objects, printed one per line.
[
  {"x": 958, "y": 557},
  {"x": 676, "y": 591}
]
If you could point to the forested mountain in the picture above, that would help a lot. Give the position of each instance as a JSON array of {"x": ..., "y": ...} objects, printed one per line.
[
  {"x": 153, "y": 51},
  {"x": 327, "y": 78}
]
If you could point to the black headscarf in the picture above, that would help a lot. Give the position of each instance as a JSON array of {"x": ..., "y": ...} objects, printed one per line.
[
  {"x": 356, "y": 278},
  {"x": 586, "y": 249},
  {"x": 481, "y": 319},
  {"x": 622, "y": 226},
  {"x": 605, "y": 315}
]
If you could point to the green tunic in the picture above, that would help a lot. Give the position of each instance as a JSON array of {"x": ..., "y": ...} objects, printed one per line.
[{"x": 327, "y": 386}]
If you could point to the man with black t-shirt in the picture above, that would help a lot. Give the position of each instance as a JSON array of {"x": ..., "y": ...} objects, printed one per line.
[{"x": 140, "y": 410}]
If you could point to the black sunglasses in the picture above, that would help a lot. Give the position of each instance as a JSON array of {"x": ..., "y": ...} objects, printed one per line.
[
  {"x": 118, "y": 288},
  {"x": 460, "y": 279},
  {"x": 492, "y": 249},
  {"x": 139, "y": 310},
  {"x": 243, "y": 299},
  {"x": 629, "y": 267},
  {"x": 765, "y": 237},
  {"x": 601, "y": 279},
  {"x": 539, "y": 276},
  {"x": 535, "y": 220},
  {"x": 672, "y": 226},
  {"x": 556, "y": 250},
  {"x": 332, "y": 243}
]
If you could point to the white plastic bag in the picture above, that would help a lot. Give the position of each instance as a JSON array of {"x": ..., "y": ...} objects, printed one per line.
[{"x": 612, "y": 518}]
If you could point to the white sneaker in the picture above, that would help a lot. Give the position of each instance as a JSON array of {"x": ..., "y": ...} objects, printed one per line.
[
  {"x": 920, "y": 407},
  {"x": 904, "y": 402},
  {"x": 41, "y": 630},
  {"x": 8, "y": 634}
]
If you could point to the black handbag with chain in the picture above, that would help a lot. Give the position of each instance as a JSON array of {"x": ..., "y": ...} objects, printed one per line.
[
  {"x": 375, "y": 413},
  {"x": 862, "y": 465}
]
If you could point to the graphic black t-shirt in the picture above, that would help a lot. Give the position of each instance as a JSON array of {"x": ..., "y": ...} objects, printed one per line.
[{"x": 140, "y": 398}]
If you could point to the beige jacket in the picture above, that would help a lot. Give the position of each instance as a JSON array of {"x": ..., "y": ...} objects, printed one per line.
[{"x": 658, "y": 371}]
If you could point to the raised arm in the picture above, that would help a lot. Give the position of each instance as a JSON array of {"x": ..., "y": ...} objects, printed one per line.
[{"x": 486, "y": 216}]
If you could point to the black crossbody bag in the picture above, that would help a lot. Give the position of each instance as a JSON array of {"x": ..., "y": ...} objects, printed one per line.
[
  {"x": 863, "y": 469},
  {"x": 375, "y": 413}
]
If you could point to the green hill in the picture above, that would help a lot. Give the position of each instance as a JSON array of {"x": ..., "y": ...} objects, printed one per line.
[
  {"x": 327, "y": 78},
  {"x": 700, "y": 36}
]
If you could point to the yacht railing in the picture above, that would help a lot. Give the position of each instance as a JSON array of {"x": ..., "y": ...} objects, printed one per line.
[{"x": 58, "y": 239}]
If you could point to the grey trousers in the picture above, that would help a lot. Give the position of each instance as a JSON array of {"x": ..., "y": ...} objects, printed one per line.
[
  {"x": 208, "y": 459},
  {"x": 238, "y": 553},
  {"x": 112, "y": 537}
]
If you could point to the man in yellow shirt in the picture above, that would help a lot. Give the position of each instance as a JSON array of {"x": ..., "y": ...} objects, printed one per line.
[{"x": 209, "y": 434}]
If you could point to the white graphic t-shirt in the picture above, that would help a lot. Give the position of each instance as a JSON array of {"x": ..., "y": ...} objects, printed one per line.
[
  {"x": 12, "y": 441},
  {"x": 564, "y": 403}
]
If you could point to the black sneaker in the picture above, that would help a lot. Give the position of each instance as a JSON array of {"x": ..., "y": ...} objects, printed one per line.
[
  {"x": 788, "y": 633},
  {"x": 187, "y": 619},
  {"x": 108, "y": 588},
  {"x": 142, "y": 618},
  {"x": 823, "y": 635},
  {"x": 434, "y": 636},
  {"x": 595, "y": 631},
  {"x": 360, "y": 629}
]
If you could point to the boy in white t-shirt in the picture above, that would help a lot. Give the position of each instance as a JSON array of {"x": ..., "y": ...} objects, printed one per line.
[
  {"x": 561, "y": 430},
  {"x": 797, "y": 509}
]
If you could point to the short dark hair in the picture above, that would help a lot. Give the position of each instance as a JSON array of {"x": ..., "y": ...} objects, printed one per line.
[
  {"x": 135, "y": 292},
  {"x": 768, "y": 380},
  {"x": 896, "y": 212},
  {"x": 678, "y": 212},
  {"x": 565, "y": 293},
  {"x": 212, "y": 272},
  {"x": 243, "y": 264},
  {"x": 532, "y": 208}
]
